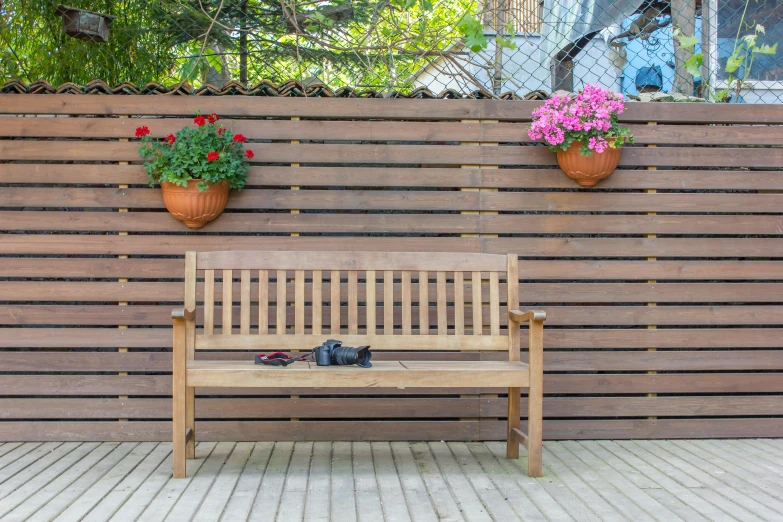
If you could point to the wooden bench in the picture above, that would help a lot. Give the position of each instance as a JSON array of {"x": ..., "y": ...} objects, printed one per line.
[{"x": 384, "y": 283}]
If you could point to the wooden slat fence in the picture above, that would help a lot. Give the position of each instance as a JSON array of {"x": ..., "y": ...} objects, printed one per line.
[{"x": 663, "y": 286}]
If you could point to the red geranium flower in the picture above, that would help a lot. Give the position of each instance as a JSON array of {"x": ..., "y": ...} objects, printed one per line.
[
  {"x": 200, "y": 121},
  {"x": 249, "y": 154},
  {"x": 212, "y": 117},
  {"x": 212, "y": 156},
  {"x": 142, "y": 131},
  {"x": 170, "y": 139},
  {"x": 221, "y": 130},
  {"x": 239, "y": 138}
]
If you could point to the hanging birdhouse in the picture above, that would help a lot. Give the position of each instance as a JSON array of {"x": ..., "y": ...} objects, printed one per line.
[{"x": 85, "y": 25}]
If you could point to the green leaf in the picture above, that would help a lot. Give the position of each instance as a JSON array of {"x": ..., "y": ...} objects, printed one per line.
[
  {"x": 766, "y": 49},
  {"x": 684, "y": 40},
  {"x": 734, "y": 62},
  {"x": 473, "y": 31},
  {"x": 694, "y": 63},
  {"x": 760, "y": 29}
]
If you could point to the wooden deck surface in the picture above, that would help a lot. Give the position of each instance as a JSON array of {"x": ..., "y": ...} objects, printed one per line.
[{"x": 689, "y": 480}]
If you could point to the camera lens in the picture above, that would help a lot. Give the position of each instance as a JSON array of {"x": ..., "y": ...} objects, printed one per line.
[{"x": 345, "y": 355}]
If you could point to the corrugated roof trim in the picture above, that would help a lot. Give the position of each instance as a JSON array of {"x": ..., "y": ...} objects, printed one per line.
[{"x": 291, "y": 88}]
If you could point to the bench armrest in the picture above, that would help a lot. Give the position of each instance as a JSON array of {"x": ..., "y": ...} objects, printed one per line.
[
  {"x": 183, "y": 314},
  {"x": 537, "y": 316}
]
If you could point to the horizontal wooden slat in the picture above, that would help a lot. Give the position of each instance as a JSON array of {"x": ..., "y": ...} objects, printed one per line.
[
  {"x": 454, "y": 177},
  {"x": 611, "y": 384},
  {"x": 376, "y": 130},
  {"x": 554, "y": 361},
  {"x": 346, "y": 260},
  {"x": 283, "y": 107},
  {"x": 554, "y": 338},
  {"x": 36, "y": 150},
  {"x": 380, "y": 408},
  {"x": 277, "y": 223},
  {"x": 239, "y": 408},
  {"x": 695, "y": 406},
  {"x": 160, "y": 315},
  {"x": 377, "y": 342},
  {"x": 388, "y": 430},
  {"x": 733, "y": 292},
  {"x": 528, "y": 269},
  {"x": 257, "y": 199},
  {"x": 646, "y": 428},
  {"x": 669, "y": 270},
  {"x": 529, "y": 246}
]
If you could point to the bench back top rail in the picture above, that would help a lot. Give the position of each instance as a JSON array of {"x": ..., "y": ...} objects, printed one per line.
[{"x": 296, "y": 300}]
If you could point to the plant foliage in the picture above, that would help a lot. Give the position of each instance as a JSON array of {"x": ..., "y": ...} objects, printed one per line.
[{"x": 206, "y": 151}]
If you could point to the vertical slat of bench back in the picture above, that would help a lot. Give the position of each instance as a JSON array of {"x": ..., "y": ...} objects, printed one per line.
[
  {"x": 407, "y": 306},
  {"x": 699, "y": 237}
]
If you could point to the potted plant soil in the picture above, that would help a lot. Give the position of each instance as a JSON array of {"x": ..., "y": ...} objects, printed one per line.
[
  {"x": 196, "y": 167},
  {"x": 583, "y": 130}
]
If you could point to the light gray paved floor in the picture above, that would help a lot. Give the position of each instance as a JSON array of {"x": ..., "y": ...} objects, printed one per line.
[{"x": 681, "y": 480}]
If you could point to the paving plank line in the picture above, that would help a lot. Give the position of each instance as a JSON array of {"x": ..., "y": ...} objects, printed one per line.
[
  {"x": 185, "y": 506},
  {"x": 368, "y": 499},
  {"x": 342, "y": 495},
  {"x": 414, "y": 490},
  {"x": 497, "y": 505},
  {"x": 568, "y": 501},
  {"x": 141, "y": 475},
  {"x": 668, "y": 492},
  {"x": 16, "y": 453},
  {"x": 635, "y": 495},
  {"x": 603, "y": 498},
  {"x": 471, "y": 505},
  {"x": 85, "y": 477},
  {"x": 241, "y": 502},
  {"x": 88, "y": 498},
  {"x": 160, "y": 484},
  {"x": 395, "y": 508},
  {"x": 517, "y": 497},
  {"x": 266, "y": 503},
  {"x": 292, "y": 500},
  {"x": 678, "y": 483},
  {"x": 159, "y": 506},
  {"x": 721, "y": 479},
  {"x": 728, "y": 504},
  {"x": 319, "y": 486},
  {"x": 442, "y": 500},
  {"x": 736, "y": 461},
  {"x": 36, "y": 492},
  {"x": 20, "y": 471},
  {"x": 758, "y": 458},
  {"x": 222, "y": 488}
]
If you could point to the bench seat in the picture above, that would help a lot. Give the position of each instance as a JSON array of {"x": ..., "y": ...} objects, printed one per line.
[{"x": 383, "y": 374}]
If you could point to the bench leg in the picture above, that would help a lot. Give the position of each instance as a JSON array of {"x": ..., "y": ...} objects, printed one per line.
[
  {"x": 535, "y": 399},
  {"x": 190, "y": 422},
  {"x": 512, "y": 444},
  {"x": 178, "y": 399}
]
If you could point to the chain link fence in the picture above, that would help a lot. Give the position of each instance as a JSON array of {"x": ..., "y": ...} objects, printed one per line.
[{"x": 719, "y": 50}]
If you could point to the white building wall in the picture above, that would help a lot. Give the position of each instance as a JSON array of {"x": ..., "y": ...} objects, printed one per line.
[{"x": 523, "y": 71}]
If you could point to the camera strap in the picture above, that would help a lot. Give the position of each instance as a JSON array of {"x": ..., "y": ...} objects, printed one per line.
[{"x": 279, "y": 359}]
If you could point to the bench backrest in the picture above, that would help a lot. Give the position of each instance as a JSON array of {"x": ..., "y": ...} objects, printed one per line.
[{"x": 295, "y": 300}]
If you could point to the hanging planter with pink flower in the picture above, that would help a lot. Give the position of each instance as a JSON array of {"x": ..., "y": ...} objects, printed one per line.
[
  {"x": 196, "y": 167},
  {"x": 583, "y": 130}
]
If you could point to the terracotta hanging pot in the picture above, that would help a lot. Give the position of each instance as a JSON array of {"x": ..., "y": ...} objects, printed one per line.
[
  {"x": 587, "y": 170},
  {"x": 193, "y": 207}
]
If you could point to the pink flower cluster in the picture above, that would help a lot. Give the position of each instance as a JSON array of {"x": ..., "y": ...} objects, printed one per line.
[{"x": 591, "y": 110}]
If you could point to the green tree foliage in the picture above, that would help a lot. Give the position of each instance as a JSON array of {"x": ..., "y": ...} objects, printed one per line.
[{"x": 378, "y": 43}]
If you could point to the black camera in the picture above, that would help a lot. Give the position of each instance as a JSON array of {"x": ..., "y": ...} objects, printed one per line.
[{"x": 333, "y": 352}]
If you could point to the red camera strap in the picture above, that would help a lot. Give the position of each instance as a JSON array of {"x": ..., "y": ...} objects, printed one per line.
[{"x": 279, "y": 359}]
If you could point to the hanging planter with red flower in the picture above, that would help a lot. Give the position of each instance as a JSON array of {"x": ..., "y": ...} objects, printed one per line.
[
  {"x": 583, "y": 130},
  {"x": 196, "y": 167}
]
